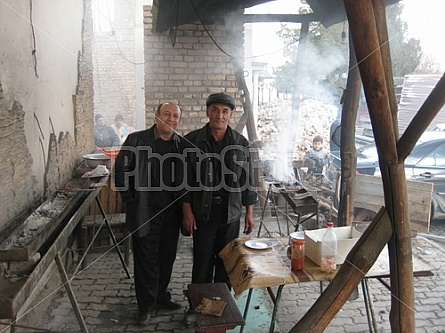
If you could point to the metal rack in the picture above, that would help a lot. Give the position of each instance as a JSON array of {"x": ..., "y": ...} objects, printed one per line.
[{"x": 302, "y": 203}]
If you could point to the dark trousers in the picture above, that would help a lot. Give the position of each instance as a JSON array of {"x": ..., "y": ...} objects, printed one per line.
[
  {"x": 154, "y": 255},
  {"x": 208, "y": 240}
]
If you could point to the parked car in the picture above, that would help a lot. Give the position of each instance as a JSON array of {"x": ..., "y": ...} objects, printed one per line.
[
  {"x": 426, "y": 163},
  {"x": 365, "y": 164},
  {"x": 367, "y": 154}
]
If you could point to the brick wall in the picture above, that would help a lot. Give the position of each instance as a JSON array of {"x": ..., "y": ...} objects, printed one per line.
[
  {"x": 115, "y": 66},
  {"x": 191, "y": 69}
]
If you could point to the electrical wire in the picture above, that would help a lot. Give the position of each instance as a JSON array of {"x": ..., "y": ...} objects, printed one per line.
[
  {"x": 207, "y": 31},
  {"x": 34, "y": 51},
  {"x": 173, "y": 33},
  {"x": 253, "y": 56}
]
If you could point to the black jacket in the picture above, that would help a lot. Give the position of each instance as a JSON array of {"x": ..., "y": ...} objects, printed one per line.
[
  {"x": 132, "y": 176},
  {"x": 237, "y": 169},
  {"x": 106, "y": 137}
]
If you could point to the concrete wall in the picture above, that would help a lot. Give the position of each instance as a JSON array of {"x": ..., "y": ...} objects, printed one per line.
[
  {"x": 45, "y": 99},
  {"x": 190, "y": 69}
]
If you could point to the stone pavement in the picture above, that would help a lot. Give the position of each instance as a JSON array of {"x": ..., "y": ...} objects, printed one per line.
[{"x": 108, "y": 304}]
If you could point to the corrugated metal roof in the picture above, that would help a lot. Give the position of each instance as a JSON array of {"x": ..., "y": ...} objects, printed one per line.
[{"x": 416, "y": 88}]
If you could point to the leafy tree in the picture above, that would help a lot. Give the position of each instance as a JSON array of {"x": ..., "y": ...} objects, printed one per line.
[
  {"x": 325, "y": 63},
  {"x": 428, "y": 65},
  {"x": 406, "y": 53}
]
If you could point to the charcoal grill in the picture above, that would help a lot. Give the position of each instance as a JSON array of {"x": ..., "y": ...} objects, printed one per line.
[{"x": 301, "y": 202}]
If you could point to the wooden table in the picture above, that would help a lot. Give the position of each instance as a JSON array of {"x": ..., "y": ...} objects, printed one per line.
[{"x": 249, "y": 268}]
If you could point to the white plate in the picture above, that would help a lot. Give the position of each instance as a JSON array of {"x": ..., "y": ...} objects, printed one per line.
[{"x": 258, "y": 244}]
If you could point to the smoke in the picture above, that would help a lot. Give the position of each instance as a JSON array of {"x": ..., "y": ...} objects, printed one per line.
[
  {"x": 280, "y": 146},
  {"x": 319, "y": 76},
  {"x": 317, "y": 85}
]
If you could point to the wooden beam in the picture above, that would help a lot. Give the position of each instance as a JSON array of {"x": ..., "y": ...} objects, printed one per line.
[
  {"x": 380, "y": 18},
  {"x": 347, "y": 147},
  {"x": 402, "y": 315},
  {"x": 367, "y": 48},
  {"x": 291, "y": 18},
  {"x": 247, "y": 117},
  {"x": 367, "y": 43}
]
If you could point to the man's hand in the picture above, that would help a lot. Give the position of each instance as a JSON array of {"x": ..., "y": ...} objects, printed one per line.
[
  {"x": 249, "y": 222},
  {"x": 188, "y": 219}
]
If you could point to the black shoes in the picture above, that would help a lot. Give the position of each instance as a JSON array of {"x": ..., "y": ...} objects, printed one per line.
[
  {"x": 189, "y": 317},
  {"x": 171, "y": 304},
  {"x": 143, "y": 319}
]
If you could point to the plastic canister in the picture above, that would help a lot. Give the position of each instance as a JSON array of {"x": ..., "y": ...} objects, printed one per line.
[{"x": 329, "y": 250}]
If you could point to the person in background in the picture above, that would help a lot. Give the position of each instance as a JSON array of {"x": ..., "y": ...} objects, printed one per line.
[
  {"x": 221, "y": 179},
  {"x": 104, "y": 135},
  {"x": 121, "y": 128},
  {"x": 147, "y": 172},
  {"x": 316, "y": 157}
]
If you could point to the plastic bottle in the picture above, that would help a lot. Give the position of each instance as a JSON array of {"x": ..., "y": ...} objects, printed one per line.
[
  {"x": 297, "y": 262},
  {"x": 329, "y": 250}
]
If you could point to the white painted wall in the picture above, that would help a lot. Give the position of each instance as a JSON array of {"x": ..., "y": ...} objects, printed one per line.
[{"x": 57, "y": 28}]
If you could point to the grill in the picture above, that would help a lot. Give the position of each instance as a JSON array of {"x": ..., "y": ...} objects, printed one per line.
[{"x": 304, "y": 199}]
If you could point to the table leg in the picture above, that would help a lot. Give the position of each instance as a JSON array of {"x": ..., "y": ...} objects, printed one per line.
[
  {"x": 263, "y": 212},
  {"x": 87, "y": 249},
  {"x": 116, "y": 244},
  {"x": 275, "y": 207},
  {"x": 276, "y": 300},
  {"x": 372, "y": 324},
  {"x": 246, "y": 309},
  {"x": 70, "y": 292},
  {"x": 286, "y": 208},
  {"x": 12, "y": 326}
]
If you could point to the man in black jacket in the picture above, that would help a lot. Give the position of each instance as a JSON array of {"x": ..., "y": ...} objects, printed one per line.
[
  {"x": 148, "y": 172},
  {"x": 104, "y": 135},
  {"x": 220, "y": 176}
]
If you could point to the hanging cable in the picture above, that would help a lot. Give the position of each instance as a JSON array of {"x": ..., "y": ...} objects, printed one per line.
[
  {"x": 207, "y": 31},
  {"x": 34, "y": 57},
  {"x": 174, "y": 30}
]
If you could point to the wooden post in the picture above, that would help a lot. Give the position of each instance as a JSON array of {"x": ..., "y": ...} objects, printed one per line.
[
  {"x": 380, "y": 18},
  {"x": 299, "y": 74},
  {"x": 367, "y": 44},
  {"x": 347, "y": 143}
]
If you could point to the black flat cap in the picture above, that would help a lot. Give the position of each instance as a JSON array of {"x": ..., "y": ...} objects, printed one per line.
[
  {"x": 98, "y": 116},
  {"x": 220, "y": 98}
]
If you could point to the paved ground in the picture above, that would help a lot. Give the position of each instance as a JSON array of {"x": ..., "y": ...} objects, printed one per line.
[{"x": 107, "y": 301}]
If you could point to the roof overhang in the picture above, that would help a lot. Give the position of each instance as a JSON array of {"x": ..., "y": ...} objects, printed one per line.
[{"x": 171, "y": 13}]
